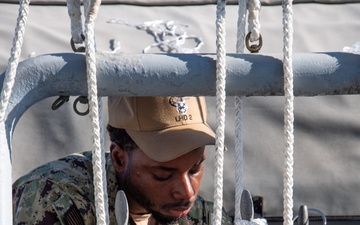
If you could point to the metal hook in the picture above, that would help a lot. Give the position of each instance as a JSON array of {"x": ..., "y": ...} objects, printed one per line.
[
  {"x": 82, "y": 100},
  {"x": 246, "y": 206},
  {"x": 253, "y": 48},
  {"x": 303, "y": 216},
  {"x": 59, "y": 102},
  {"x": 80, "y": 49}
]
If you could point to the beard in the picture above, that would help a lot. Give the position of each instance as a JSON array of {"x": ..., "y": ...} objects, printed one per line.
[{"x": 132, "y": 190}]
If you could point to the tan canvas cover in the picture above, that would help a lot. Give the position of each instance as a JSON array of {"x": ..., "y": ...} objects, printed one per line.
[{"x": 327, "y": 128}]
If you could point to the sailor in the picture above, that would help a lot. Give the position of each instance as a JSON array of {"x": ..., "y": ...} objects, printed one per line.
[{"x": 155, "y": 165}]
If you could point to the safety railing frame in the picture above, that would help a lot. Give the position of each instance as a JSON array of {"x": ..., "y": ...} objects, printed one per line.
[{"x": 326, "y": 73}]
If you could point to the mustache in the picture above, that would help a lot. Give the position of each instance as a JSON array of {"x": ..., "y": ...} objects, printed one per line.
[{"x": 185, "y": 204}]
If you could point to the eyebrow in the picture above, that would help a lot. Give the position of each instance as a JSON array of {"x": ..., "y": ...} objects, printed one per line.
[
  {"x": 174, "y": 169},
  {"x": 163, "y": 168}
]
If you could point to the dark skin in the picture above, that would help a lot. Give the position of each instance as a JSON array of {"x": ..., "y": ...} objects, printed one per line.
[{"x": 167, "y": 190}]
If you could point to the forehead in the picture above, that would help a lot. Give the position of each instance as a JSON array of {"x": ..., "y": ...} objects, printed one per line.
[{"x": 186, "y": 160}]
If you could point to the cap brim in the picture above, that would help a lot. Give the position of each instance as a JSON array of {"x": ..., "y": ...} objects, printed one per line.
[{"x": 170, "y": 143}]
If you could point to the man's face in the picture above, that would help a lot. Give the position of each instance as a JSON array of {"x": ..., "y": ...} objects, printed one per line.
[{"x": 167, "y": 190}]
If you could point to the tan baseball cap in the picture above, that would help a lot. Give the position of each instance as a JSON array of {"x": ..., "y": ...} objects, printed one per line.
[{"x": 164, "y": 128}]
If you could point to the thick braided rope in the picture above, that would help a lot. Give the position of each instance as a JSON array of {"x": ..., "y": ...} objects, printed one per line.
[
  {"x": 74, "y": 12},
  {"x": 220, "y": 109},
  {"x": 9, "y": 80},
  {"x": 239, "y": 186},
  {"x": 257, "y": 221},
  {"x": 241, "y": 24},
  {"x": 101, "y": 204},
  {"x": 288, "y": 112},
  {"x": 14, "y": 58},
  {"x": 254, "y": 19},
  {"x": 103, "y": 162},
  {"x": 253, "y": 7}
]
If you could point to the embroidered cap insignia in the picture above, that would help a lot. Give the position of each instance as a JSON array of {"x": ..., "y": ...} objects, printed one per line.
[{"x": 180, "y": 104}]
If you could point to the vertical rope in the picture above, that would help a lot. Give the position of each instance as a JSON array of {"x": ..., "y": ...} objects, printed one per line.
[
  {"x": 253, "y": 6},
  {"x": 220, "y": 109},
  {"x": 14, "y": 57},
  {"x": 241, "y": 23},
  {"x": 288, "y": 112},
  {"x": 75, "y": 20},
  {"x": 9, "y": 80},
  {"x": 253, "y": 19},
  {"x": 239, "y": 185},
  {"x": 103, "y": 161},
  {"x": 101, "y": 204}
]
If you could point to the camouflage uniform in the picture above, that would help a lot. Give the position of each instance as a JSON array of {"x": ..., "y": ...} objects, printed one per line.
[{"x": 62, "y": 192}]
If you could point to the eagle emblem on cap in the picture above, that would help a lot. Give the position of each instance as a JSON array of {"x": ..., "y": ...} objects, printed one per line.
[{"x": 180, "y": 104}]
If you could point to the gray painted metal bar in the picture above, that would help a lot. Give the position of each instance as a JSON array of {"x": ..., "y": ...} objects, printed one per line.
[
  {"x": 189, "y": 74},
  {"x": 44, "y": 76}
]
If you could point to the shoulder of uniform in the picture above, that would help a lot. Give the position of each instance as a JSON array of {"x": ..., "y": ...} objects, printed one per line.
[
  {"x": 54, "y": 189},
  {"x": 203, "y": 210},
  {"x": 73, "y": 169}
]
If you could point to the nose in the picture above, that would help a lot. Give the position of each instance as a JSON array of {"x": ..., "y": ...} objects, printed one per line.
[{"x": 183, "y": 189}]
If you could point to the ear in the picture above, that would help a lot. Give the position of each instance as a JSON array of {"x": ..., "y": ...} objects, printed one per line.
[{"x": 118, "y": 157}]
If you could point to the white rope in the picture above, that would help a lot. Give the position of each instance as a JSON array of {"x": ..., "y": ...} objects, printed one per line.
[
  {"x": 254, "y": 19},
  {"x": 103, "y": 162},
  {"x": 257, "y": 221},
  {"x": 74, "y": 12},
  {"x": 220, "y": 109},
  {"x": 14, "y": 57},
  {"x": 95, "y": 104},
  {"x": 240, "y": 40},
  {"x": 239, "y": 185},
  {"x": 6, "y": 216},
  {"x": 288, "y": 112},
  {"x": 253, "y": 7}
]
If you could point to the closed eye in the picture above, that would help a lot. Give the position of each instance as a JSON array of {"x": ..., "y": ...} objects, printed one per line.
[
  {"x": 197, "y": 168},
  {"x": 162, "y": 178},
  {"x": 162, "y": 173}
]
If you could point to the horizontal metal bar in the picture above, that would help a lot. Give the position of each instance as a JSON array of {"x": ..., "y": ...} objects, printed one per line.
[
  {"x": 181, "y": 74},
  {"x": 44, "y": 76},
  {"x": 189, "y": 74}
]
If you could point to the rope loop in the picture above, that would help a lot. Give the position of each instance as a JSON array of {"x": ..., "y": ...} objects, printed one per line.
[
  {"x": 82, "y": 100},
  {"x": 253, "y": 48}
]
